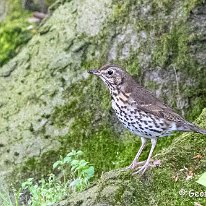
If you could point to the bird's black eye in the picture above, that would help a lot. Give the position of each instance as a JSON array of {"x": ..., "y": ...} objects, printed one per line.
[{"x": 110, "y": 72}]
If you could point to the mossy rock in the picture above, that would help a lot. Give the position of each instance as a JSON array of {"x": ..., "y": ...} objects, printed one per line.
[
  {"x": 173, "y": 183},
  {"x": 49, "y": 104}
]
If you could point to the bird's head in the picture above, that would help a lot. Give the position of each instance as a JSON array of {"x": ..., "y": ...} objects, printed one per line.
[{"x": 111, "y": 74}]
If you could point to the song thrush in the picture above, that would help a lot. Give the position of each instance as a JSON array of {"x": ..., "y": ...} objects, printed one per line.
[{"x": 140, "y": 111}]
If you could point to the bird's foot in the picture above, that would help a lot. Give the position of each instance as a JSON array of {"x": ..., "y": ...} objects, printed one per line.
[
  {"x": 135, "y": 164},
  {"x": 142, "y": 169},
  {"x": 154, "y": 163}
]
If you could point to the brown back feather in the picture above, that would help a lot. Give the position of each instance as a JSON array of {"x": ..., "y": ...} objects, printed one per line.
[{"x": 144, "y": 100}]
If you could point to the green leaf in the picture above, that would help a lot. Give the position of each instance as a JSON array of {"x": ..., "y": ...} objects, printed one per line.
[
  {"x": 67, "y": 159},
  {"x": 202, "y": 179},
  {"x": 28, "y": 183},
  {"x": 90, "y": 171},
  {"x": 83, "y": 162},
  {"x": 72, "y": 153},
  {"x": 79, "y": 153},
  {"x": 57, "y": 163},
  {"x": 74, "y": 162}
]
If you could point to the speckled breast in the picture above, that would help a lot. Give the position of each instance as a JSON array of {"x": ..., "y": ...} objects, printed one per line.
[{"x": 140, "y": 122}]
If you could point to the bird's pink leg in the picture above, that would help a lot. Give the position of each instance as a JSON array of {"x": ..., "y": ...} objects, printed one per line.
[
  {"x": 135, "y": 162},
  {"x": 146, "y": 165}
]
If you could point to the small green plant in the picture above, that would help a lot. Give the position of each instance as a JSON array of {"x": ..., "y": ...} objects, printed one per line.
[
  {"x": 81, "y": 171},
  {"x": 45, "y": 192},
  {"x": 74, "y": 173}
]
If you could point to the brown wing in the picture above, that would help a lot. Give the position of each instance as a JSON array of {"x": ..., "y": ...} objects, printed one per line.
[
  {"x": 161, "y": 112},
  {"x": 144, "y": 100}
]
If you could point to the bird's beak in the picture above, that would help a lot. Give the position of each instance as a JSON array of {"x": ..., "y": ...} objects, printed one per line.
[{"x": 94, "y": 71}]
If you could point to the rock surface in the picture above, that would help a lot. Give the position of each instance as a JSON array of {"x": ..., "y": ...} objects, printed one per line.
[
  {"x": 49, "y": 104},
  {"x": 3, "y": 9}
]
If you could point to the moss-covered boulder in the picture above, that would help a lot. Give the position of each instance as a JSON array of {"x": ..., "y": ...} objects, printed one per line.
[
  {"x": 173, "y": 183},
  {"x": 49, "y": 104}
]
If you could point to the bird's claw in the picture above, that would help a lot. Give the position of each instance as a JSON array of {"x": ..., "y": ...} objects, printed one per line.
[
  {"x": 135, "y": 164},
  {"x": 152, "y": 163},
  {"x": 142, "y": 169}
]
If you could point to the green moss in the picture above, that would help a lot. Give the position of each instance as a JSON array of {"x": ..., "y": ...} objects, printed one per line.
[
  {"x": 188, "y": 6},
  {"x": 151, "y": 85},
  {"x": 132, "y": 64},
  {"x": 13, "y": 32},
  {"x": 120, "y": 11},
  {"x": 198, "y": 104},
  {"x": 172, "y": 48},
  {"x": 164, "y": 6},
  {"x": 159, "y": 186}
]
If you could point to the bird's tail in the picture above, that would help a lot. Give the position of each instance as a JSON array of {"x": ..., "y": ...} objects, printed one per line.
[{"x": 194, "y": 128}]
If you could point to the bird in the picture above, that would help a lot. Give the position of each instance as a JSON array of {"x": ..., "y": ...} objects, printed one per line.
[{"x": 141, "y": 111}]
